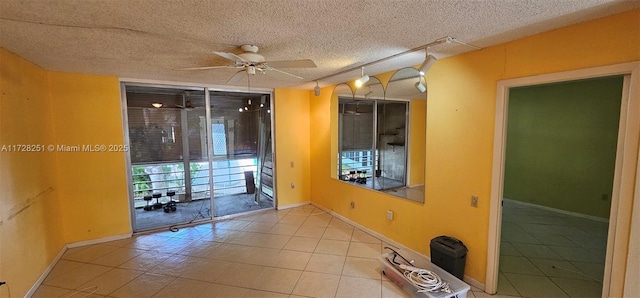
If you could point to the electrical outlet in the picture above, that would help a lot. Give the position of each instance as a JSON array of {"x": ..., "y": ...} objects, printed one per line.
[
  {"x": 352, "y": 205},
  {"x": 390, "y": 214},
  {"x": 474, "y": 201}
]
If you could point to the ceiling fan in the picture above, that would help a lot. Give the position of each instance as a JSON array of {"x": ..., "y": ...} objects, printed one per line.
[
  {"x": 249, "y": 62},
  {"x": 352, "y": 112},
  {"x": 186, "y": 103}
]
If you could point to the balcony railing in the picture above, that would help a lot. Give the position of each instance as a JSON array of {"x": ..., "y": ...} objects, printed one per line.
[
  {"x": 356, "y": 161},
  {"x": 228, "y": 179}
]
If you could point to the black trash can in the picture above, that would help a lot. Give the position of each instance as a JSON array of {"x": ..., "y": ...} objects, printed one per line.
[{"x": 449, "y": 254}]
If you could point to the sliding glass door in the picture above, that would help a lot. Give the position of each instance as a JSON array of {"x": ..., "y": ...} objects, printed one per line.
[
  {"x": 180, "y": 158},
  {"x": 241, "y": 126}
]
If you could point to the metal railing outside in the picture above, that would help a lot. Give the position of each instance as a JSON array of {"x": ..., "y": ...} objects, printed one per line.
[
  {"x": 228, "y": 178},
  {"x": 358, "y": 160}
]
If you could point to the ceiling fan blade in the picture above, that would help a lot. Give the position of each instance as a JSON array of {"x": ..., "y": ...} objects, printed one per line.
[
  {"x": 304, "y": 63},
  {"x": 284, "y": 72},
  {"x": 230, "y": 56},
  {"x": 206, "y": 67},
  {"x": 236, "y": 77}
]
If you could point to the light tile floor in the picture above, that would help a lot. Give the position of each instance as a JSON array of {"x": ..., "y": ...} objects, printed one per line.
[
  {"x": 550, "y": 254},
  {"x": 299, "y": 252}
]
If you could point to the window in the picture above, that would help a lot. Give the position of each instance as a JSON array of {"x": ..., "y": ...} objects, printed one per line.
[{"x": 371, "y": 145}]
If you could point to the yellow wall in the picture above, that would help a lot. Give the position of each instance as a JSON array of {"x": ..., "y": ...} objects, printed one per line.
[
  {"x": 292, "y": 146},
  {"x": 30, "y": 214},
  {"x": 53, "y": 198},
  {"x": 460, "y": 123},
  {"x": 93, "y": 185}
]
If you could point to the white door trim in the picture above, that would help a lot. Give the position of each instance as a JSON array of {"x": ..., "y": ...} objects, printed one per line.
[{"x": 625, "y": 175}]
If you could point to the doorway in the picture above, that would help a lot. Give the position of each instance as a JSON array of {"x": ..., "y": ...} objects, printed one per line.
[
  {"x": 559, "y": 168},
  {"x": 195, "y": 154},
  {"x": 625, "y": 173}
]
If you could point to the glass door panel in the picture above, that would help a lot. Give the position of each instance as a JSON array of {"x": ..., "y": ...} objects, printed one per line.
[
  {"x": 242, "y": 157},
  {"x": 391, "y": 145},
  {"x": 169, "y": 162}
]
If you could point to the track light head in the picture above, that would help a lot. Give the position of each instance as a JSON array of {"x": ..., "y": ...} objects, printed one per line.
[
  {"x": 422, "y": 88},
  {"x": 361, "y": 81},
  {"x": 428, "y": 62},
  {"x": 316, "y": 90}
]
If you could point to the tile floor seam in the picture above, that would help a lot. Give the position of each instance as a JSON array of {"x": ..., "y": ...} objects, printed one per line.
[
  {"x": 297, "y": 281},
  {"x": 559, "y": 287},
  {"x": 337, "y": 287},
  {"x": 345, "y": 258}
]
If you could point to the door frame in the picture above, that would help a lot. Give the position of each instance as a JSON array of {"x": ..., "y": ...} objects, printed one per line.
[
  {"x": 124, "y": 82},
  {"x": 627, "y": 171}
]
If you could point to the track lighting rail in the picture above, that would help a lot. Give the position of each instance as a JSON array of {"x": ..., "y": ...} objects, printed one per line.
[{"x": 446, "y": 39}]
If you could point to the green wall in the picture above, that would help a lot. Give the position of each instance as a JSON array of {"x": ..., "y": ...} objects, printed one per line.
[{"x": 561, "y": 144}]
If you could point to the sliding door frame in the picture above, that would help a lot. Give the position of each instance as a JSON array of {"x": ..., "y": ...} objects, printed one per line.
[{"x": 124, "y": 82}]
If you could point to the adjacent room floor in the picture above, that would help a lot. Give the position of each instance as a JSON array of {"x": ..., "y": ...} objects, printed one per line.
[
  {"x": 550, "y": 254},
  {"x": 299, "y": 252}
]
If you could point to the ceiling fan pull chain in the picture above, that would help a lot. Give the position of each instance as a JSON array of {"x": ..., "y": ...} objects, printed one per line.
[{"x": 248, "y": 83}]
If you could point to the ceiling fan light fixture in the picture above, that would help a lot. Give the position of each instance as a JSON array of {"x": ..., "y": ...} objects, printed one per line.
[
  {"x": 251, "y": 70},
  {"x": 157, "y": 105}
]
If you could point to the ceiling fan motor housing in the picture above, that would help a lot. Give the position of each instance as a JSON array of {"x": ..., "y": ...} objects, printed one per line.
[
  {"x": 250, "y": 53},
  {"x": 249, "y": 48},
  {"x": 252, "y": 57}
]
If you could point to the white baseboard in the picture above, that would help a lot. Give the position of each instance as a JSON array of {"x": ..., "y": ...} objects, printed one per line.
[
  {"x": 591, "y": 217},
  {"x": 45, "y": 273},
  {"x": 405, "y": 251},
  {"x": 99, "y": 240},
  {"x": 55, "y": 260},
  {"x": 283, "y": 207}
]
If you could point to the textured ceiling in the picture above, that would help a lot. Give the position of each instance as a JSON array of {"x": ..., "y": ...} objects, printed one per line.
[{"x": 149, "y": 39}]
